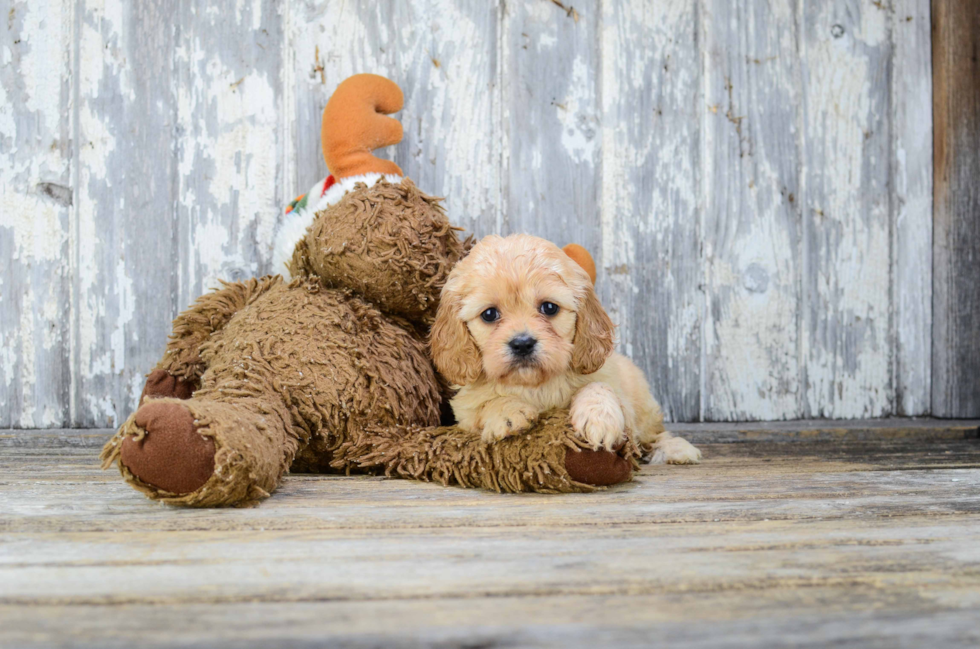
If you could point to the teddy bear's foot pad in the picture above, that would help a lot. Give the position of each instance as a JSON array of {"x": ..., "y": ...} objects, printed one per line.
[
  {"x": 598, "y": 468},
  {"x": 171, "y": 455},
  {"x": 160, "y": 383}
]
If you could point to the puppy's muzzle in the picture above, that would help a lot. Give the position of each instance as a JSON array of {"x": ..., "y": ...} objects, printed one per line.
[{"x": 522, "y": 346}]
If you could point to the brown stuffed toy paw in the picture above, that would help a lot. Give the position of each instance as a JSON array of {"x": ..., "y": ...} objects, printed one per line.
[
  {"x": 170, "y": 454},
  {"x": 598, "y": 468},
  {"x": 161, "y": 384}
]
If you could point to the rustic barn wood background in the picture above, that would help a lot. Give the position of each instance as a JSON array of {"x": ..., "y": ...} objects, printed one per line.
[{"x": 754, "y": 178}]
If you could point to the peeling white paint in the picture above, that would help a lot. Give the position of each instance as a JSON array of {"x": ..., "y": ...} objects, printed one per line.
[
  {"x": 28, "y": 371},
  {"x": 34, "y": 226},
  {"x": 649, "y": 197},
  {"x": 96, "y": 145},
  {"x": 502, "y": 117},
  {"x": 43, "y": 22},
  {"x": 228, "y": 164},
  {"x": 34, "y": 223},
  {"x": 846, "y": 346},
  {"x": 458, "y": 125},
  {"x": 579, "y": 125},
  {"x": 911, "y": 95}
]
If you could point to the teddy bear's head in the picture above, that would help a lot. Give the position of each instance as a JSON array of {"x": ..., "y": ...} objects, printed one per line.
[
  {"x": 388, "y": 242},
  {"x": 366, "y": 227}
]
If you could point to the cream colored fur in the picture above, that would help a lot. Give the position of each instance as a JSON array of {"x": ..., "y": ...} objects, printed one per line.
[{"x": 572, "y": 365}]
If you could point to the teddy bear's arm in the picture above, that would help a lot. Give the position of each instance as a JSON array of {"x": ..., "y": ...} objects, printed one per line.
[{"x": 208, "y": 314}]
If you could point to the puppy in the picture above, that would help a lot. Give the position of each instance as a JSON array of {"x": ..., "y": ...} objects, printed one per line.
[{"x": 520, "y": 331}]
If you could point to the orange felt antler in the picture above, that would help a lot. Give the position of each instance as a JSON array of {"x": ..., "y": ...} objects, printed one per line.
[
  {"x": 355, "y": 123},
  {"x": 581, "y": 257}
]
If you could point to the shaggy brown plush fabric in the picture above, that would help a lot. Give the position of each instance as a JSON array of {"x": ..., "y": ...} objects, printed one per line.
[
  {"x": 540, "y": 461},
  {"x": 391, "y": 244},
  {"x": 331, "y": 372}
]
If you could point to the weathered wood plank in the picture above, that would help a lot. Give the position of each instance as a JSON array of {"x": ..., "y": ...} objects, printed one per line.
[
  {"x": 911, "y": 208},
  {"x": 229, "y": 147},
  {"x": 590, "y": 122},
  {"x": 551, "y": 131},
  {"x": 35, "y": 212},
  {"x": 443, "y": 55},
  {"x": 737, "y": 482},
  {"x": 846, "y": 336},
  {"x": 449, "y": 62},
  {"x": 880, "y": 431},
  {"x": 356, "y": 565},
  {"x": 650, "y": 174},
  {"x": 847, "y": 615},
  {"x": 751, "y": 233},
  {"x": 125, "y": 182},
  {"x": 766, "y": 544},
  {"x": 956, "y": 247}
]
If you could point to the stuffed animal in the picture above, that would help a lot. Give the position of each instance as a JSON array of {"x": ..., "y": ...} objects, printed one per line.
[{"x": 327, "y": 369}]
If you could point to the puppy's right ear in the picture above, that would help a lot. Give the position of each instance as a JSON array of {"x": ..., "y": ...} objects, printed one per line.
[
  {"x": 593, "y": 341},
  {"x": 454, "y": 353}
]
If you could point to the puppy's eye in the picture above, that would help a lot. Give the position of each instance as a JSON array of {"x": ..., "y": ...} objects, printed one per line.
[
  {"x": 548, "y": 308},
  {"x": 490, "y": 315}
]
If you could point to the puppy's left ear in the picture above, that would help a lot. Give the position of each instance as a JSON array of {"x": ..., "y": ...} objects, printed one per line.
[
  {"x": 454, "y": 353},
  {"x": 593, "y": 335}
]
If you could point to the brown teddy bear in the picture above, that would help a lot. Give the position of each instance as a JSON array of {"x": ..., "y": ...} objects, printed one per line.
[{"x": 328, "y": 370}]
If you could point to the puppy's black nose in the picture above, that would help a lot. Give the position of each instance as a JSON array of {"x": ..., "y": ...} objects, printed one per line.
[{"x": 522, "y": 345}]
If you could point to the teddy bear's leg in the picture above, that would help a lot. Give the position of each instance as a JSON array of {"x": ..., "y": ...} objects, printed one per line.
[
  {"x": 205, "y": 453},
  {"x": 548, "y": 458},
  {"x": 178, "y": 373}
]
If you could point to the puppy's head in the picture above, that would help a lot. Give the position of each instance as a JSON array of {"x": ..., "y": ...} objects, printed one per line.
[{"x": 518, "y": 311}]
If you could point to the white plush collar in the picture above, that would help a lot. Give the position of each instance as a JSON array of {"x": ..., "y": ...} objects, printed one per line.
[{"x": 296, "y": 223}]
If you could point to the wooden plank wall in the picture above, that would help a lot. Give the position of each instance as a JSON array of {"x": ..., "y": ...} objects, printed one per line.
[
  {"x": 754, "y": 178},
  {"x": 956, "y": 297}
]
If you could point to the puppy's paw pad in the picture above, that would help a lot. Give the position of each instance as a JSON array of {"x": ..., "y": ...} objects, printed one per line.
[
  {"x": 597, "y": 417},
  {"x": 676, "y": 451}
]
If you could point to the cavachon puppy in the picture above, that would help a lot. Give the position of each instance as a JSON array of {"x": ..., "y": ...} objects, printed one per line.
[{"x": 520, "y": 331}]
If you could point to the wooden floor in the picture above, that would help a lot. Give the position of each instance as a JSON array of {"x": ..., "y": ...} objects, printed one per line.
[{"x": 788, "y": 535}]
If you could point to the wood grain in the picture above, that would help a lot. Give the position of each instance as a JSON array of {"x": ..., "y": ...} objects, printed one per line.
[
  {"x": 551, "y": 122},
  {"x": 855, "y": 543},
  {"x": 125, "y": 187},
  {"x": 751, "y": 366},
  {"x": 753, "y": 179},
  {"x": 956, "y": 249},
  {"x": 651, "y": 106},
  {"x": 856, "y": 616},
  {"x": 911, "y": 206},
  {"x": 35, "y": 214},
  {"x": 229, "y": 152},
  {"x": 846, "y": 224}
]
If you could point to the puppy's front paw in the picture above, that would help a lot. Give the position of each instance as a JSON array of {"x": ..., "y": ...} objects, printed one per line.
[
  {"x": 506, "y": 421},
  {"x": 597, "y": 416},
  {"x": 675, "y": 450}
]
